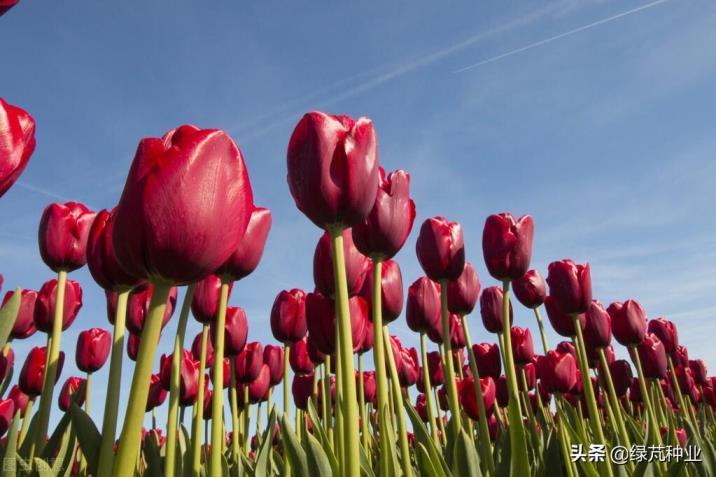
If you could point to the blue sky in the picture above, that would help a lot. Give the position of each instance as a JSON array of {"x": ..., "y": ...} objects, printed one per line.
[{"x": 596, "y": 117}]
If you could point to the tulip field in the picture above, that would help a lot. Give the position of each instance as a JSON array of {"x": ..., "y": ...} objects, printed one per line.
[{"x": 336, "y": 393}]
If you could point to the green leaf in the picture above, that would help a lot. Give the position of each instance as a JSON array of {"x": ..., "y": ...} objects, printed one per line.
[
  {"x": 292, "y": 447},
  {"x": 11, "y": 448},
  {"x": 8, "y": 315},
  {"x": 25, "y": 445},
  {"x": 322, "y": 436},
  {"x": 52, "y": 447},
  {"x": 262, "y": 459},
  {"x": 552, "y": 462},
  {"x": 365, "y": 467},
  {"x": 425, "y": 465},
  {"x": 152, "y": 455},
  {"x": 6, "y": 382},
  {"x": 317, "y": 459},
  {"x": 422, "y": 436},
  {"x": 88, "y": 436},
  {"x": 188, "y": 455},
  {"x": 465, "y": 459}
]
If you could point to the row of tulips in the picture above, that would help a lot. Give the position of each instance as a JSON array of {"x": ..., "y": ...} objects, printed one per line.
[{"x": 186, "y": 218}]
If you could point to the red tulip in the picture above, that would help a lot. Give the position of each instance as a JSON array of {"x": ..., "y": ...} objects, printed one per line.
[
  {"x": 530, "y": 289},
  {"x": 570, "y": 285},
  {"x": 93, "y": 347},
  {"x": 558, "y": 371},
  {"x": 333, "y": 168},
  {"x": 501, "y": 394},
  {"x": 236, "y": 330},
  {"x": 507, "y": 245},
  {"x": 101, "y": 261},
  {"x": 468, "y": 396},
  {"x": 666, "y": 331},
  {"x": 457, "y": 334},
  {"x": 561, "y": 321},
  {"x": 196, "y": 350},
  {"x": 463, "y": 292},
  {"x": 622, "y": 376},
  {"x": 522, "y": 345},
  {"x": 316, "y": 356},
  {"x": 488, "y": 360},
  {"x": 288, "y": 316},
  {"x": 369, "y": 386},
  {"x": 530, "y": 374},
  {"x": 157, "y": 393},
  {"x": 298, "y": 357},
  {"x": 19, "y": 398},
  {"x": 442, "y": 394},
  {"x": 391, "y": 290},
  {"x": 133, "y": 346},
  {"x": 441, "y": 249},
  {"x": 681, "y": 357},
  {"x": 6, "y": 5},
  {"x": 17, "y": 134},
  {"x": 491, "y": 310},
  {"x": 698, "y": 367},
  {"x": 385, "y": 230},
  {"x": 206, "y": 412},
  {"x": 246, "y": 257},
  {"x": 368, "y": 338},
  {"x": 44, "y": 312},
  {"x": 320, "y": 313},
  {"x": 628, "y": 322},
  {"x": 258, "y": 388},
  {"x": 24, "y": 326},
  {"x": 302, "y": 388},
  {"x": 409, "y": 367},
  {"x": 597, "y": 326},
  {"x": 273, "y": 358},
  {"x": 63, "y": 235},
  {"x": 356, "y": 265},
  {"x": 205, "y": 302},
  {"x": 248, "y": 362},
  {"x": 422, "y": 311},
  {"x": 185, "y": 206},
  {"x": 421, "y": 407},
  {"x": 435, "y": 368},
  {"x": 685, "y": 379},
  {"x": 72, "y": 391},
  {"x": 188, "y": 376},
  {"x": 138, "y": 307}
]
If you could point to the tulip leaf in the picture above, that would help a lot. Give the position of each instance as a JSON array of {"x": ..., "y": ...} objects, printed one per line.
[
  {"x": 322, "y": 436},
  {"x": 366, "y": 469},
  {"x": 465, "y": 459},
  {"x": 552, "y": 463},
  {"x": 8, "y": 315},
  {"x": 425, "y": 465},
  {"x": 317, "y": 459},
  {"x": 10, "y": 451},
  {"x": 52, "y": 446},
  {"x": 292, "y": 447},
  {"x": 152, "y": 454},
  {"x": 188, "y": 455},
  {"x": 262, "y": 459},
  {"x": 88, "y": 436},
  {"x": 6, "y": 382},
  {"x": 423, "y": 436}
]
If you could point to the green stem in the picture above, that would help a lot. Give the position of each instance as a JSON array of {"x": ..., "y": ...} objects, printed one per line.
[
  {"x": 114, "y": 384},
  {"x": 327, "y": 406},
  {"x": 26, "y": 417},
  {"x": 428, "y": 390},
  {"x": 246, "y": 411},
  {"x": 542, "y": 333},
  {"x": 196, "y": 437},
  {"x": 361, "y": 397},
  {"x": 616, "y": 406},
  {"x": 400, "y": 416},
  {"x": 286, "y": 351},
  {"x": 439, "y": 417},
  {"x": 130, "y": 438},
  {"x": 175, "y": 383},
  {"x": 685, "y": 412},
  {"x": 645, "y": 394},
  {"x": 564, "y": 441},
  {"x": 349, "y": 402},
  {"x": 217, "y": 399},
  {"x": 449, "y": 368},
  {"x": 234, "y": 415}
]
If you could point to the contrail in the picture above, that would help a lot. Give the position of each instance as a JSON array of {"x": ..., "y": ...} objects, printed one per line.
[
  {"x": 39, "y": 190},
  {"x": 561, "y": 35}
]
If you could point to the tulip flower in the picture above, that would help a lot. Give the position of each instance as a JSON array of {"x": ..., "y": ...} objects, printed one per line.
[
  {"x": 440, "y": 249},
  {"x": 409, "y": 367},
  {"x": 72, "y": 391},
  {"x": 570, "y": 286},
  {"x": 288, "y": 316},
  {"x": 298, "y": 357},
  {"x": 357, "y": 265},
  {"x": 507, "y": 245},
  {"x": 247, "y": 255},
  {"x": 24, "y": 326},
  {"x": 698, "y": 367},
  {"x": 316, "y": 356},
  {"x": 558, "y": 371},
  {"x": 7, "y": 411},
  {"x": 196, "y": 351},
  {"x": 205, "y": 302},
  {"x": 259, "y": 386},
  {"x": 101, "y": 260},
  {"x": 501, "y": 393},
  {"x": 628, "y": 322},
  {"x": 463, "y": 292},
  {"x": 33, "y": 371},
  {"x": 63, "y": 233},
  {"x": 45, "y": 305},
  {"x": 273, "y": 358},
  {"x": 435, "y": 369},
  {"x": 248, "y": 362},
  {"x": 522, "y": 346},
  {"x": 133, "y": 346},
  {"x": 421, "y": 407},
  {"x": 681, "y": 356},
  {"x": 369, "y": 386},
  {"x": 138, "y": 307},
  {"x": 236, "y": 330},
  {"x": 93, "y": 348},
  {"x": 597, "y": 326},
  {"x": 391, "y": 290},
  {"x": 19, "y": 398},
  {"x": 491, "y": 310},
  {"x": 320, "y": 313},
  {"x": 468, "y": 396},
  {"x": 189, "y": 376},
  {"x": 157, "y": 394},
  {"x": 666, "y": 331},
  {"x": 653, "y": 357},
  {"x": 207, "y": 403},
  {"x": 422, "y": 311},
  {"x": 17, "y": 134},
  {"x": 622, "y": 376},
  {"x": 488, "y": 360},
  {"x": 561, "y": 321},
  {"x": 530, "y": 289},
  {"x": 301, "y": 389}
]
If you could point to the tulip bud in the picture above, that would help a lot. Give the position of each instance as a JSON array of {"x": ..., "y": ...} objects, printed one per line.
[
  {"x": 157, "y": 393},
  {"x": 236, "y": 330},
  {"x": 273, "y": 358},
  {"x": 24, "y": 326},
  {"x": 442, "y": 394},
  {"x": 622, "y": 376},
  {"x": 681, "y": 357},
  {"x": 63, "y": 235},
  {"x": 561, "y": 321},
  {"x": 530, "y": 374},
  {"x": 188, "y": 376},
  {"x": 435, "y": 368},
  {"x": 138, "y": 307},
  {"x": 185, "y": 206},
  {"x": 422, "y": 311},
  {"x": 409, "y": 367},
  {"x": 507, "y": 245},
  {"x": 298, "y": 357},
  {"x": 17, "y": 135},
  {"x": 248, "y": 362},
  {"x": 488, "y": 360},
  {"x": 356, "y": 265},
  {"x": 570, "y": 285},
  {"x": 468, "y": 396},
  {"x": 320, "y": 313},
  {"x": 502, "y": 395},
  {"x": 597, "y": 326},
  {"x": 653, "y": 357},
  {"x": 133, "y": 346},
  {"x": 205, "y": 302},
  {"x": 698, "y": 367},
  {"x": 19, "y": 398},
  {"x": 368, "y": 337},
  {"x": 369, "y": 386},
  {"x": 246, "y": 257},
  {"x": 93, "y": 347},
  {"x": 333, "y": 168},
  {"x": 530, "y": 289},
  {"x": 302, "y": 388},
  {"x": 666, "y": 331},
  {"x": 72, "y": 391},
  {"x": 391, "y": 290},
  {"x": 421, "y": 407},
  {"x": 441, "y": 249},
  {"x": 558, "y": 371},
  {"x": 258, "y": 388},
  {"x": 101, "y": 261},
  {"x": 33, "y": 371},
  {"x": 206, "y": 412},
  {"x": 522, "y": 346},
  {"x": 628, "y": 322},
  {"x": 316, "y": 356},
  {"x": 196, "y": 350},
  {"x": 491, "y": 310},
  {"x": 463, "y": 292},
  {"x": 288, "y": 316},
  {"x": 44, "y": 312}
]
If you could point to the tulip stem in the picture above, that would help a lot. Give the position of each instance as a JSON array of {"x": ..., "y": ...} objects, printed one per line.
[
  {"x": 484, "y": 429},
  {"x": 26, "y": 417},
  {"x": 53, "y": 353},
  {"x": 234, "y": 414},
  {"x": 449, "y": 368},
  {"x": 616, "y": 407},
  {"x": 400, "y": 417},
  {"x": 130, "y": 438},
  {"x": 345, "y": 352},
  {"x": 518, "y": 439},
  {"x": 361, "y": 397},
  {"x": 439, "y": 417},
  {"x": 542, "y": 333},
  {"x": 326, "y": 405},
  {"x": 645, "y": 394},
  {"x": 564, "y": 441},
  {"x": 175, "y": 383},
  {"x": 246, "y": 412},
  {"x": 286, "y": 410},
  {"x": 685, "y": 414},
  {"x": 114, "y": 384},
  {"x": 428, "y": 390},
  {"x": 198, "y": 410},
  {"x": 217, "y": 400}
]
